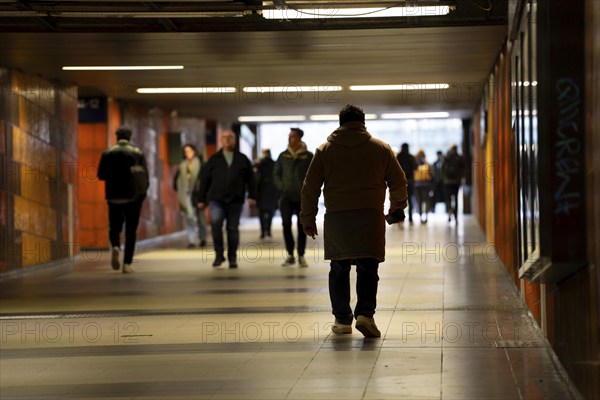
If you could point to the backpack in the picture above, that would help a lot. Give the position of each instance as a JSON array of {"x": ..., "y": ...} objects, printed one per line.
[
  {"x": 451, "y": 169},
  {"x": 138, "y": 178},
  {"x": 422, "y": 173}
]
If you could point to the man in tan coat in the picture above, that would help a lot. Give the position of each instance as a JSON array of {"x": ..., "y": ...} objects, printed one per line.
[{"x": 355, "y": 169}]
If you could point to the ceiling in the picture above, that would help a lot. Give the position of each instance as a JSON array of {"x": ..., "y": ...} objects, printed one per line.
[{"x": 228, "y": 43}]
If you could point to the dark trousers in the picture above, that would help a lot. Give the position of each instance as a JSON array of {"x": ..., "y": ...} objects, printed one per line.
[
  {"x": 411, "y": 193},
  {"x": 422, "y": 198},
  {"x": 128, "y": 214},
  {"x": 438, "y": 194},
  {"x": 451, "y": 194},
  {"x": 288, "y": 208},
  {"x": 229, "y": 212},
  {"x": 265, "y": 217},
  {"x": 366, "y": 288}
]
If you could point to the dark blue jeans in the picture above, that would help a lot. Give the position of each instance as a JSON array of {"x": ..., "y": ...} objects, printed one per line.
[
  {"x": 288, "y": 208},
  {"x": 229, "y": 212},
  {"x": 366, "y": 288}
]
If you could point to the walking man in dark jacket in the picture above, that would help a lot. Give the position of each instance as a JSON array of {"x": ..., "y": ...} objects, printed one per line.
[
  {"x": 267, "y": 193},
  {"x": 288, "y": 175},
  {"x": 123, "y": 167},
  {"x": 226, "y": 177},
  {"x": 409, "y": 164},
  {"x": 453, "y": 170}
]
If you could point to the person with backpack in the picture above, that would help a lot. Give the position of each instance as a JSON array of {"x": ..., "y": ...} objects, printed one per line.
[
  {"x": 423, "y": 185},
  {"x": 453, "y": 170},
  {"x": 123, "y": 168}
]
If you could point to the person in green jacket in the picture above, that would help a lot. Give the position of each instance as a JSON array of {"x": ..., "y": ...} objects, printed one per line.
[{"x": 288, "y": 175}]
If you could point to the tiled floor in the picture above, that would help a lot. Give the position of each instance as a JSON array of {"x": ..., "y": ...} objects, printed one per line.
[{"x": 453, "y": 327}]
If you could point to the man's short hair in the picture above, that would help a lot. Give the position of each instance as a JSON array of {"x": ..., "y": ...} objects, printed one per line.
[
  {"x": 298, "y": 131},
  {"x": 351, "y": 113},
  {"x": 123, "y": 133}
]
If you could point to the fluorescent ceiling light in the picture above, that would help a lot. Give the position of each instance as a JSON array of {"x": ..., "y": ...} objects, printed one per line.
[
  {"x": 324, "y": 117},
  {"x": 121, "y": 68},
  {"x": 324, "y": 13},
  {"x": 291, "y": 88},
  {"x": 335, "y": 117},
  {"x": 415, "y": 115},
  {"x": 271, "y": 118},
  {"x": 209, "y": 90},
  {"x": 413, "y": 86}
]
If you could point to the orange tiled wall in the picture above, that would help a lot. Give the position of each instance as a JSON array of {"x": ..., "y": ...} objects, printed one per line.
[
  {"x": 38, "y": 159},
  {"x": 160, "y": 211},
  {"x": 93, "y": 222}
]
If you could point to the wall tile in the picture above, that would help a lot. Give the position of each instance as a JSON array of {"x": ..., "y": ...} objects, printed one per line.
[
  {"x": 38, "y": 158},
  {"x": 3, "y": 143},
  {"x": 35, "y": 250},
  {"x": 37, "y": 187}
]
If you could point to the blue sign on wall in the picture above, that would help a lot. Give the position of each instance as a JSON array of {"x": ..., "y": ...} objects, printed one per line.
[{"x": 92, "y": 109}]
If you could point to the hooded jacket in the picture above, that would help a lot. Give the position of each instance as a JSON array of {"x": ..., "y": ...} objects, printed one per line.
[
  {"x": 290, "y": 170},
  {"x": 354, "y": 170}
]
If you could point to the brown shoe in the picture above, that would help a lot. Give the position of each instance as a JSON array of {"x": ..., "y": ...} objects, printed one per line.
[
  {"x": 341, "y": 328},
  {"x": 367, "y": 327}
]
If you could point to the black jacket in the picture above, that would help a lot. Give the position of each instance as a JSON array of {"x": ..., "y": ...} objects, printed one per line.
[
  {"x": 226, "y": 183},
  {"x": 114, "y": 168},
  {"x": 265, "y": 187},
  {"x": 409, "y": 164}
]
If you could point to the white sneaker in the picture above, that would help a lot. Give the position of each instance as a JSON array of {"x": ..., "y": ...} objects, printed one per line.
[
  {"x": 114, "y": 260},
  {"x": 367, "y": 327},
  {"x": 341, "y": 328},
  {"x": 302, "y": 262},
  {"x": 128, "y": 269},
  {"x": 290, "y": 260}
]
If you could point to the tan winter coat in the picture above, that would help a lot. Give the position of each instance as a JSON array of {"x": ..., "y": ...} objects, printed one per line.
[{"x": 354, "y": 170}]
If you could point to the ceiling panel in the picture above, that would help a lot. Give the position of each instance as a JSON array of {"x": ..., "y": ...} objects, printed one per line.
[{"x": 460, "y": 55}]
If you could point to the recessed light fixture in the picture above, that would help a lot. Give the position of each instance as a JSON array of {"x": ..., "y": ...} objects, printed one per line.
[
  {"x": 325, "y": 13},
  {"x": 410, "y": 86},
  {"x": 121, "y": 67},
  {"x": 525, "y": 83},
  {"x": 175, "y": 90},
  {"x": 271, "y": 118},
  {"x": 291, "y": 88},
  {"x": 442, "y": 114}
]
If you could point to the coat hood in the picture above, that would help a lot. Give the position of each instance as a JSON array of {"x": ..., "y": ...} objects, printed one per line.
[
  {"x": 301, "y": 149},
  {"x": 351, "y": 134}
]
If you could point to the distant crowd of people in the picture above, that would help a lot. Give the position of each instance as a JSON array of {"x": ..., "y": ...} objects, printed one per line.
[
  {"x": 430, "y": 184},
  {"x": 352, "y": 170}
]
